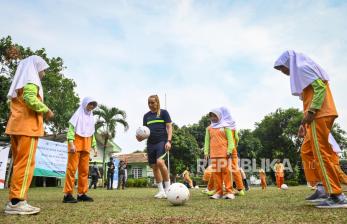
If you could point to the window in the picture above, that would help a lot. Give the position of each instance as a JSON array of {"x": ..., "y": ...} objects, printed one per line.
[{"x": 136, "y": 172}]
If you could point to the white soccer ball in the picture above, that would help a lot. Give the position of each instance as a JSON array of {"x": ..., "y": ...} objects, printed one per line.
[
  {"x": 143, "y": 132},
  {"x": 178, "y": 194},
  {"x": 284, "y": 187}
]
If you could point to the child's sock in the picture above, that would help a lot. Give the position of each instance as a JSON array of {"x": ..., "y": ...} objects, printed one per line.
[
  {"x": 160, "y": 186},
  {"x": 15, "y": 201},
  {"x": 166, "y": 185}
]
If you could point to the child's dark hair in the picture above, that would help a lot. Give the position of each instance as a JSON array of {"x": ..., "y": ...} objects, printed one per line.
[
  {"x": 156, "y": 97},
  {"x": 12, "y": 53}
]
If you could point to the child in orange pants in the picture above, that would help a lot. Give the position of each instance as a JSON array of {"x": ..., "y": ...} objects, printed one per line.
[
  {"x": 311, "y": 82},
  {"x": 80, "y": 141},
  {"x": 279, "y": 173},
  {"x": 219, "y": 145},
  {"x": 235, "y": 169},
  {"x": 262, "y": 176},
  {"x": 25, "y": 126},
  {"x": 208, "y": 177},
  {"x": 186, "y": 178}
]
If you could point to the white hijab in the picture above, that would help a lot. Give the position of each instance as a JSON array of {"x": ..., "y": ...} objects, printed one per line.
[
  {"x": 83, "y": 120},
  {"x": 224, "y": 117},
  {"x": 28, "y": 72},
  {"x": 303, "y": 70}
]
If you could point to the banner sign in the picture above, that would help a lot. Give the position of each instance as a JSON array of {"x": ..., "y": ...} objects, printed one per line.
[
  {"x": 51, "y": 159},
  {"x": 115, "y": 174},
  {"x": 4, "y": 150}
]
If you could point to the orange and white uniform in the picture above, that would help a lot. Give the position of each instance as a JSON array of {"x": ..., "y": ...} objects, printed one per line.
[
  {"x": 309, "y": 81},
  {"x": 262, "y": 176},
  {"x": 25, "y": 124},
  {"x": 209, "y": 178},
  {"x": 319, "y": 159},
  {"x": 279, "y": 174},
  {"x": 186, "y": 178},
  {"x": 220, "y": 146},
  {"x": 81, "y": 134},
  {"x": 221, "y": 164}
]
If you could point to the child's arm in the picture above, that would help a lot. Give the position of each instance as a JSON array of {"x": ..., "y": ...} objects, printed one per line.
[
  {"x": 237, "y": 138},
  {"x": 207, "y": 143},
  {"x": 30, "y": 98},
  {"x": 71, "y": 137},
  {"x": 94, "y": 146},
  {"x": 93, "y": 142},
  {"x": 319, "y": 91},
  {"x": 231, "y": 143},
  {"x": 70, "y": 133}
]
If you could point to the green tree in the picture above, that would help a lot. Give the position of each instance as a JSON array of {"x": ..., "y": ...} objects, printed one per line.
[
  {"x": 184, "y": 152},
  {"x": 60, "y": 96},
  {"x": 277, "y": 133},
  {"x": 108, "y": 119},
  {"x": 340, "y": 136},
  {"x": 4, "y": 108},
  {"x": 59, "y": 91},
  {"x": 198, "y": 130},
  {"x": 249, "y": 145}
]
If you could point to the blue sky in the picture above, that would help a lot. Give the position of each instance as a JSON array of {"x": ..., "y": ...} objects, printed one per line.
[{"x": 201, "y": 54}]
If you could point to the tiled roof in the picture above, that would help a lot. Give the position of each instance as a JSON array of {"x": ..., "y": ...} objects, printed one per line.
[{"x": 138, "y": 157}]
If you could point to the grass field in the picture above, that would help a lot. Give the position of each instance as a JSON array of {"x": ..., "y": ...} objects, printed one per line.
[{"x": 137, "y": 205}]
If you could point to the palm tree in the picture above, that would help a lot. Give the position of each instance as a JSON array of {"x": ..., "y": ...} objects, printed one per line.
[{"x": 108, "y": 118}]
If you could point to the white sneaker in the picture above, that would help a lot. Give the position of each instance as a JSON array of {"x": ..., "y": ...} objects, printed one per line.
[
  {"x": 21, "y": 208},
  {"x": 216, "y": 196},
  {"x": 229, "y": 196},
  {"x": 160, "y": 195}
]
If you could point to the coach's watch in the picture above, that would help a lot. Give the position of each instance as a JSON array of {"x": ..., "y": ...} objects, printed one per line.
[{"x": 169, "y": 141}]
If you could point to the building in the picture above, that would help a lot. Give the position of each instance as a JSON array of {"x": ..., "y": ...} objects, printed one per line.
[{"x": 137, "y": 164}]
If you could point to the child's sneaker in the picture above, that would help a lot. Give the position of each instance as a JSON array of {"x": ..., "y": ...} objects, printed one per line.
[
  {"x": 160, "y": 195},
  {"x": 21, "y": 208},
  {"x": 69, "y": 199},
  {"x": 317, "y": 196},
  {"x": 85, "y": 198},
  {"x": 229, "y": 196},
  {"x": 216, "y": 196},
  {"x": 334, "y": 201}
]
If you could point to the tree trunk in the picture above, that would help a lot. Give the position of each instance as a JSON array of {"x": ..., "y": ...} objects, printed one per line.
[{"x": 103, "y": 162}]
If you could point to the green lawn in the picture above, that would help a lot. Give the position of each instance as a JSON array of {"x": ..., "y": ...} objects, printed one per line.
[{"x": 136, "y": 205}]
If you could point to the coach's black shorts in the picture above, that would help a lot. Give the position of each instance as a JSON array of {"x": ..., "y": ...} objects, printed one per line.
[{"x": 155, "y": 151}]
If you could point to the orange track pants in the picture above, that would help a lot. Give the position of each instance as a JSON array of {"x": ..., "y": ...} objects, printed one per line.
[
  {"x": 23, "y": 155},
  {"x": 76, "y": 160},
  {"x": 221, "y": 173}
]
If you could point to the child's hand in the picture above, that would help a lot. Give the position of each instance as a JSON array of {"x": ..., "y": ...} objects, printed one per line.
[
  {"x": 206, "y": 157},
  {"x": 49, "y": 115},
  {"x": 72, "y": 147},
  {"x": 95, "y": 152},
  {"x": 302, "y": 131}
]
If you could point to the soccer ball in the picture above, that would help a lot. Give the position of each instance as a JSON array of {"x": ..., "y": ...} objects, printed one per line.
[
  {"x": 143, "y": 132},
  {"x": 284, "y": 187},
  {"x": 178, "y": 194}
]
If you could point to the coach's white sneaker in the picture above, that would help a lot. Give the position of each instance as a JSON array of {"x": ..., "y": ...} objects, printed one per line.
[
  {"x": 160, "y": 195},
  {"x": 21, "y": 208}
]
